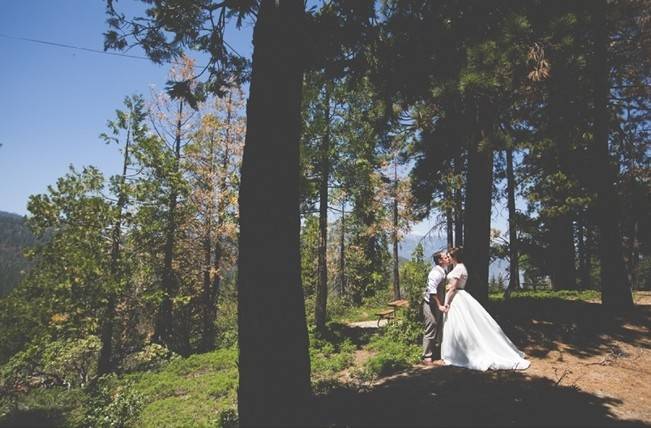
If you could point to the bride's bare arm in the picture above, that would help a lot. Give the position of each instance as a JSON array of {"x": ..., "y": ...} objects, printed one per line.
[{"x": 451, "y": 291}]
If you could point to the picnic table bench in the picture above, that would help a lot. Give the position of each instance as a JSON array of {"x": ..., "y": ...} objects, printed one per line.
[{"x": 389, "y": 314}]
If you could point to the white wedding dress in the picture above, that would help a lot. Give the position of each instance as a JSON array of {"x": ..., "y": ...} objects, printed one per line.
[{"x": 472, "y": 338}]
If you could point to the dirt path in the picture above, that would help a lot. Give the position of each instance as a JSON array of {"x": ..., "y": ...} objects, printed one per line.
[{"x": 589, "y": 368}]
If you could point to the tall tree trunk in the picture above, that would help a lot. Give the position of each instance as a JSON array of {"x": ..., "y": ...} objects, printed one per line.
[
  {"x": 458, "y": 205},
  {"x": 396, "y": 261},
  {"x": 274, "y": 366},
  {"x": 514, "y": 269},
  {"x": 586, "y": 275},
  {"x": 322, "y": 263},
  {"x": 583, "y": 272},
  {"x": 342, "y": 248},
  {"x": 562, "y": 254},
  {"x": 558, "y": 158},
  {"x": 478, "y": 215},
  {"x": 449, "y": 217},
  {"x": 164, "y": 326},
  {"x": 105, "y": 363},
  {"x": 213, "y": 249},
  {"x": 615, "y": 287}
]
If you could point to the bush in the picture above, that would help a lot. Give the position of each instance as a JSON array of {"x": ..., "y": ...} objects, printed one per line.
[
  {"x": 112, "y": 404},
  {"x": 397, "y": 349},
  {"x": 64, "y": 362},
  {"x": 330, "y": 354},
  {"x": 413, "y": 281},
  {"x": 152, "y": 357},
  {"x": 228, "y": 418}
]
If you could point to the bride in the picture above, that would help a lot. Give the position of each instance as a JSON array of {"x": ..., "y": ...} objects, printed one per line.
[{"x": 471, "y": 337}]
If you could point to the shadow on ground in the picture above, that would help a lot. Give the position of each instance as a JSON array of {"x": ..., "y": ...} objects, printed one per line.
[
  {"x": 34, "y": 418},
  {"x": 537, "y": 326},
  {"x": 449, "y": 396}
]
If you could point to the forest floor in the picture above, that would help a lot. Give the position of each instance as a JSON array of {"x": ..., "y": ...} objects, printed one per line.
[{"x": 588, "y": 368}]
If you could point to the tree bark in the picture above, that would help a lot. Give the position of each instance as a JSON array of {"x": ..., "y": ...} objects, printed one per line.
[
  {"x": 583, "y": 272},
  {"x": 320, "y": 309},
  {"x": 514, "y": 269},
  {"x": 449, "y": 217},
  {"x": 561, "y": 253},
  {"x": 458, "y": 205},
  {"x": 396, "y": 261},
  {"x": 478, "y": 216},
  {"x": 342, "y": 252},
  {"x": 105, "y": 363},
  {"x": 164, "y": 326},
  {"x": 274, "y": 367},
  {"x": 615, "y": 285}
]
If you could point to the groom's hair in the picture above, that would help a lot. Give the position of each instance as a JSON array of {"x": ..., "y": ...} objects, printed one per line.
[{"x": 438, "y": 256}]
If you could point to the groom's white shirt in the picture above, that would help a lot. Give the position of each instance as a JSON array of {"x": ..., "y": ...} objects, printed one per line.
[{"x": 436, "y": 275}]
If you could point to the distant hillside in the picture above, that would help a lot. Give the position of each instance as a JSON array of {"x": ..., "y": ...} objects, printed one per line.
[
  {"x": 14, "y": 237},
  {"x": 408, "y": 244},
  {"x": 432, "y": 244}
]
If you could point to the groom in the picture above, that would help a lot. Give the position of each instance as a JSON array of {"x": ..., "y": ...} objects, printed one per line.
[{"x": 433, "y": 308}]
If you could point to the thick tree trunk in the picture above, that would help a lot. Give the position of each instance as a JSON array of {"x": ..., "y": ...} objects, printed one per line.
[
  {"x": 478, "y": 217},
  {"x": 342, "y": 252},
  {"x": 586, "y": 274},
  {"x": 164, "y": 326},
  {"x": 561, "y": 253},
  {"x": 396, "y": 260},
  {"x": 615, "y": 286},
  {"x": 320, "y": 309},
  {"x": 514, "y": 269},
  {"x": 583, "y": 272},
  {"x": 105, "y": 363},
  {"x": 274, "y": 367},
  {"x": 458, "y": 205},
  {"x": 449, "y": 217},
  {"x": 558, "y": 159}
]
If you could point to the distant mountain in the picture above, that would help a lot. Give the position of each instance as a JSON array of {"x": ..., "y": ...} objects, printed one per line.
[
  {"x": 14, "y": 237},
  {"x": 408, "y": 244},
  {"x": 432, "y": 244}
]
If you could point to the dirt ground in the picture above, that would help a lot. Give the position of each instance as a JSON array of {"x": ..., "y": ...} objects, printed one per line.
[{"x": 588, "y": 368}]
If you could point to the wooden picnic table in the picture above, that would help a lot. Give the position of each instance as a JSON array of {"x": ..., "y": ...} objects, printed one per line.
[{"x": 390, "y": 314}]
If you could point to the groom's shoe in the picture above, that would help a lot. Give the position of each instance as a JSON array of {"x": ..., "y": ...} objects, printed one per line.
[{"x": 427, "y": 362}]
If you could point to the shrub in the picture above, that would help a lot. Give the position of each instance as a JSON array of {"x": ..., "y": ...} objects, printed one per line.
[
  {"x": 152, "y": 357},
  {"x": 112, "y": 404}
]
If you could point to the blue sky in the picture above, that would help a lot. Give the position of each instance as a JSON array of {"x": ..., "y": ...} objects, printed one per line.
[{"x": 56, "y": 101}]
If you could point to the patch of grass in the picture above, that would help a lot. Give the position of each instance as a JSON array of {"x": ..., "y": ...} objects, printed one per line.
[
  {"x": 191, "y": 391},
  {"x": 331, "y": 353},
  {"x": 549, "y": 294},
  {"x": 396, "y": 349}
]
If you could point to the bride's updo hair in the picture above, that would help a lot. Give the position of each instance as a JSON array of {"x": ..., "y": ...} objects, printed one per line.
[{"x": 456, "y": 253}]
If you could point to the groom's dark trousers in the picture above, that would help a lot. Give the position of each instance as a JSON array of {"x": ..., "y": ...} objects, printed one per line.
[{"x": 433, "y": 333}]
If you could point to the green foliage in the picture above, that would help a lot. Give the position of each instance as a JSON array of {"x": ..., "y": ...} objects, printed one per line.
[
  {"x": 397, "y": 348},
  {"x": 309, "y": 259},
  {"x": 112, "y": 404},
  {"x": 15, "y": 237},
  {"x": 330, "y": 355},
  {"x": 188, "y": 391},
  {"x": 44, "y": 362},
  {"x": 643, "y": 274},
  {"x": 151, "y": 357},
  {"x": 413, "y": 280},
  {"x": 57, "y": 406}
]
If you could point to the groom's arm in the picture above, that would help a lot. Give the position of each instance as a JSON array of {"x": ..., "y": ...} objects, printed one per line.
[{"x": 438, "y": 302}]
